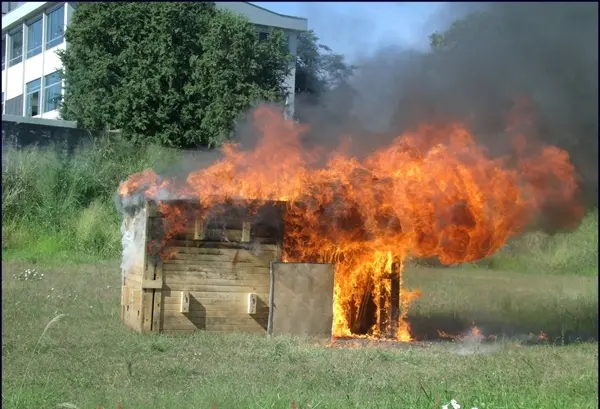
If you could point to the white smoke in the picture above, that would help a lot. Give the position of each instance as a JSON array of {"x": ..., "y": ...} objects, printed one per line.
[{"x": 133, "y": 241}]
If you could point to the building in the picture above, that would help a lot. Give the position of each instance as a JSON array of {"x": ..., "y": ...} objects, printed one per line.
[{"x": 32, "y": 33}]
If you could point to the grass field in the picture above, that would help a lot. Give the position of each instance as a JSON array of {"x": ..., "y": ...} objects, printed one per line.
[
  {"x": 87, "y": 357},
  {"x": 58, "y": 214}
]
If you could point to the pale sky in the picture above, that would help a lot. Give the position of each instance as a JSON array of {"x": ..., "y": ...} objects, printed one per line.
[{"x": 354, "y": 29}]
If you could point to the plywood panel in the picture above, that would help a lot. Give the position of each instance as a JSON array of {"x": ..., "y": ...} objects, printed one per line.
[{"x": 303, "y": 299}]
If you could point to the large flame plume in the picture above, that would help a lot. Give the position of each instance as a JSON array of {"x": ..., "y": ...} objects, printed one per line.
[{"x": 433, "y": 192}]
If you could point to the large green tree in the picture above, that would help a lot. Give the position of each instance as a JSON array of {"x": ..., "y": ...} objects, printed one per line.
[
  {"x": 178, "y": 74},
  {"x": 318, "y": 68}
]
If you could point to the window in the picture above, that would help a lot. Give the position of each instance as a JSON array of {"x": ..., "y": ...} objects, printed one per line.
[
  {"x": 52, "y": 91},
  {"x": 262, "y": 36},
  {"x": 32, "y": 97},
  {"x": 14, "y": 4},
  {"x": 55, "y": 27},
  {"x": 16, "y": 48},
  {"x": 3, "y": 50},
  {"x": 3, "y": 103},
  {"x": 14, "y": 106},
  {"x": 34, "y": 38}
]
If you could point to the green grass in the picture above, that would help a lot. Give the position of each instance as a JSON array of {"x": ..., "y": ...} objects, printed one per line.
[
  {"x": 60, "y": 208},
  {"x": 87, "y": 357},
  {"x": 569, "y": 253}
]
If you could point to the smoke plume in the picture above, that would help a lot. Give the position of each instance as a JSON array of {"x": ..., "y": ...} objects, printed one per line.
[{"x": 546, "y": 53}]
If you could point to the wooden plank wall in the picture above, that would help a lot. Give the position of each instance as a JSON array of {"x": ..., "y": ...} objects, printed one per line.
[
  {"x": 131, "y": 291},
  {"x": 218, "y": 281},
  {"x": 214, "y": 266}
]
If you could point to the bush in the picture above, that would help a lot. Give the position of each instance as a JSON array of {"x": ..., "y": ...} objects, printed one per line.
[{"x": 187, "y": 70}]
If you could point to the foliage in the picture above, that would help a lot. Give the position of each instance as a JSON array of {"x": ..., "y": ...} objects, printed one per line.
[
  {"x": 318, "y": 69},
  {"x": 54, "y": 203},
  {"x": 176, "y": 74},
  {"x": 477, "y": 22}
]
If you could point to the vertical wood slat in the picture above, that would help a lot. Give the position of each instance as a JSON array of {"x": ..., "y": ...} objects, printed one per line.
[
  {"x": 246, "y": 226},
  {"x": 381, "y": 324},
  {"x": 198, "y": 229},
  {"x": 158, "y": 276},
  {"x": 394, "y": 301},
  {"x": 146, "y": 296}
]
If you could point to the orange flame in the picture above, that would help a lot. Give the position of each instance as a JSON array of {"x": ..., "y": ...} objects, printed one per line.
[{"x": 433, "y": 192}]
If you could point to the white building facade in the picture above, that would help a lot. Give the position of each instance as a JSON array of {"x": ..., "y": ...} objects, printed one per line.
[{"x": 33, "y": 32}]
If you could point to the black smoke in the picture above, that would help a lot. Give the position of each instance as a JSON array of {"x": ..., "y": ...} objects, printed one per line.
[{"x": 547, "y": 52}]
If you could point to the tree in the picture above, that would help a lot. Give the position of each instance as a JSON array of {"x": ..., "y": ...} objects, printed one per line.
[
  {"x": 178, "y": 74},
  {"x": 318, "y": 69}
]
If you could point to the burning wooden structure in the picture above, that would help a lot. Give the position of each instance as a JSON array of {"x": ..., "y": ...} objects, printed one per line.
[
  {"x": 183, "y": 271},
  {"x": 386, "y": 317}
]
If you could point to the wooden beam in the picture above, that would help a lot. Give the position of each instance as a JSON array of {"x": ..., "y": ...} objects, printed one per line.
[
  {"x": 246, "y": 226},
  {"x": 252, "y": 301},
  {"x": 383, "y": 314},
  {"x": 158, "y": 299},
  {"x": 394, "y": 300},
  {"x": 198, "y": 229},
  {"x": 146, "y": 295},
  {"x": 184, "y": 305}
]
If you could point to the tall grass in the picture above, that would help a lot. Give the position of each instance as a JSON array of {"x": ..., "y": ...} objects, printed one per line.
[
  {"x": 562, "y": 253},
  {"x": 61, "y": 205}
]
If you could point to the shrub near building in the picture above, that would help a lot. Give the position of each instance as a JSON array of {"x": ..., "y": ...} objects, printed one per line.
[{"x": 176, "y": 74}]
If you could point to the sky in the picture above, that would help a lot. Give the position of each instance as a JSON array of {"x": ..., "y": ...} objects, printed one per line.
[{"x": 356, "y": 29}]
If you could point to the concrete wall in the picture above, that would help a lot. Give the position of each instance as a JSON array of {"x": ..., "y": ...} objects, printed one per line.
[
  {"x": 303, "y": 299},
  {"x": 20, "y": 132}
]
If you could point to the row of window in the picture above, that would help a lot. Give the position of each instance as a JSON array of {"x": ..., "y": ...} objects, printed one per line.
[
  {"x": 47, "y": 89},
  {"x": 34, "y": 37}
]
